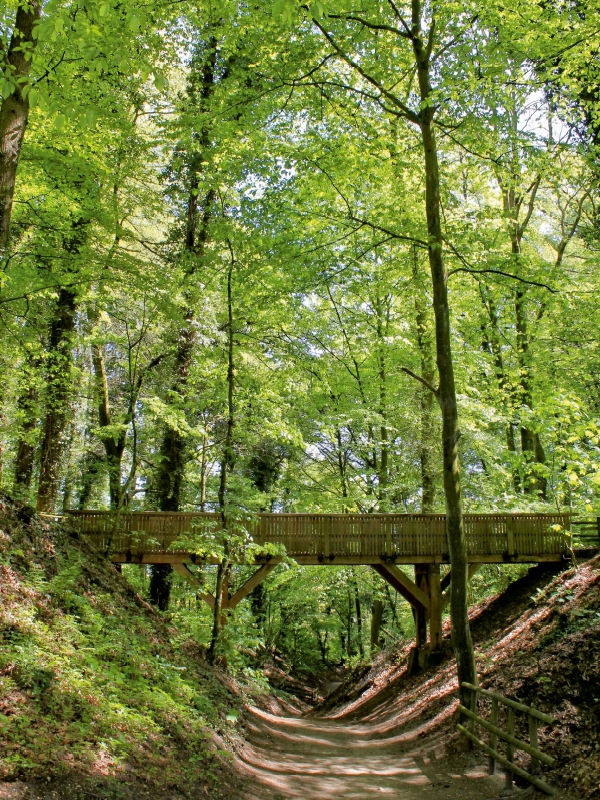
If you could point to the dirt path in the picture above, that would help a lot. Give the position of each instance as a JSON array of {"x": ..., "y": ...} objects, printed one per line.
[{"x": 325, "y": 759}]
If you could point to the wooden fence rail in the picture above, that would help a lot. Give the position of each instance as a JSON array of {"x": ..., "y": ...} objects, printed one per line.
[
  {"x": 508, "y": 737},
  {"x": 355, "y": 538},
  {"x": 586, "y": 532}
]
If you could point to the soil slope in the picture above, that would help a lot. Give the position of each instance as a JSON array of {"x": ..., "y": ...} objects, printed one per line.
[{"x": 99, "y": 695}]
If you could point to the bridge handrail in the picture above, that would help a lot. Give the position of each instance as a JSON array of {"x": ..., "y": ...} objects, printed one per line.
[{"x": 314, "y": 534}]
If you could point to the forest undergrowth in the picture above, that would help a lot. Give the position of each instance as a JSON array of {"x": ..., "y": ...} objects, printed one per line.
[{"x": 100, "y": 695}]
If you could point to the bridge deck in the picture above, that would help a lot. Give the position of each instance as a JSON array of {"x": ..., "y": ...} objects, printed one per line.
[{"x": 165, "y": 537}]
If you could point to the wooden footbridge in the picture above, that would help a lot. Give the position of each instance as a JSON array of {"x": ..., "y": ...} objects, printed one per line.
[{"x": 382, "y": 541}]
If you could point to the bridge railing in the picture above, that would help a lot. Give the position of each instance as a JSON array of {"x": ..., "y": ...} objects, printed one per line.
[{"x": 315, "y": 535}]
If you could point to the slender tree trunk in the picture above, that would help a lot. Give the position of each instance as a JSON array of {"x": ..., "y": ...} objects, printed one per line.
[
  {"x": 531, "y": 446},
  {"x": 359, "y": 629},
  {"x": 173, "y": 456},
  {"x": 461, "y": 634},
  {"x": 227, "y": 462},
  {"x": 376, "y": 618},
  {"x": 204, "y": 473},
  {"x": 59, "y": 387},
  {"x": 14, "y": 110},
  {"x": 68, "y": 487},
  {"x": 341, "y": 460},
  {"x": 384, "y": 446},
  {"x": 425, "y": 345}
]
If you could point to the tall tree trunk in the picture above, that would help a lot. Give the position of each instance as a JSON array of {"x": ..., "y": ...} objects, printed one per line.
[
  {"x": 227, "y": 462},
  {"x": 342, "y": 465},
  {"x": 68, "y": 487},
  {"x": 59, "y": 386},
  {"x": 461, "y": 634},
  {"x": 533, "y": 453},
  {"x": 14, "y": 111},
  {"x": 91, "y": 468},
  {"x": 358, "y": 607},
  {"x": 425, "y": 345},
  {"x": 384, "y": 445}
]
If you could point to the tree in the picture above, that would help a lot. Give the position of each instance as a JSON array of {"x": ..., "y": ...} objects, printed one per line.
[{"x": 14, "y": 111}]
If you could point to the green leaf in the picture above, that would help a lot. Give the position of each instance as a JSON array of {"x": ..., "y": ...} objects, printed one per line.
[{"x": 160, "y": 81}]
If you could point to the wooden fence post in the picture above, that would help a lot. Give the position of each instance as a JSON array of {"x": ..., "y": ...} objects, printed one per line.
[
  {"x": 493, "y": 737},
  {"x": 510, "y": 750},
  {"x": 533, "y": 740}
]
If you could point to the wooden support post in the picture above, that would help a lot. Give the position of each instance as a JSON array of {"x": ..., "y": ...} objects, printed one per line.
[
  {"x": 435, "y": 611},
  {"x": 418, "y": 597},
  {"x": 510, "y": 750},
  {"x": 533, "y": 741},
  {"x": 493, "y": 736},
  {"x": 185, "y": 573},
  {"x": 402, "y": 584},
  {"x": 445, "y": 582},
  {"x": 420, "y": 611}
]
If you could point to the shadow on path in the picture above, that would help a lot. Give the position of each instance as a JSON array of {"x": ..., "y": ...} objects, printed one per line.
[{"x": 303, "y": 757}]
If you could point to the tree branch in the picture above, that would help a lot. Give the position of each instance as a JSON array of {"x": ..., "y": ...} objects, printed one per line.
[
  {"x": 389, "y": 233},
  {"x": 406, "y": 111},
  {"x": 472, "y": 271},
  {"x": 426, "y": 384},
  {"x": 372, "y": 25}
]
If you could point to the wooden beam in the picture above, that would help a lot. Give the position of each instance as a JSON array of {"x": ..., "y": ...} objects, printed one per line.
[
  {"x": 167, "y": 557},
  {"x": 189, "y": 576},
  {"x": 403, "y": 585},
  {"x": 251, "y": 584},
  {"x": 473, "y": 568},
  {"x": 445, "y": 582}
]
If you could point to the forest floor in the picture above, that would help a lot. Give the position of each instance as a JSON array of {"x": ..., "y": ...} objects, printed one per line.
[
  {"x": 310, "y": 758},
  {"x": 384, "y": 733}
]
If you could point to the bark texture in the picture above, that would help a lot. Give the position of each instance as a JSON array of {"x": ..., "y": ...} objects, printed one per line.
[{"x": 14, "y": 111}]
